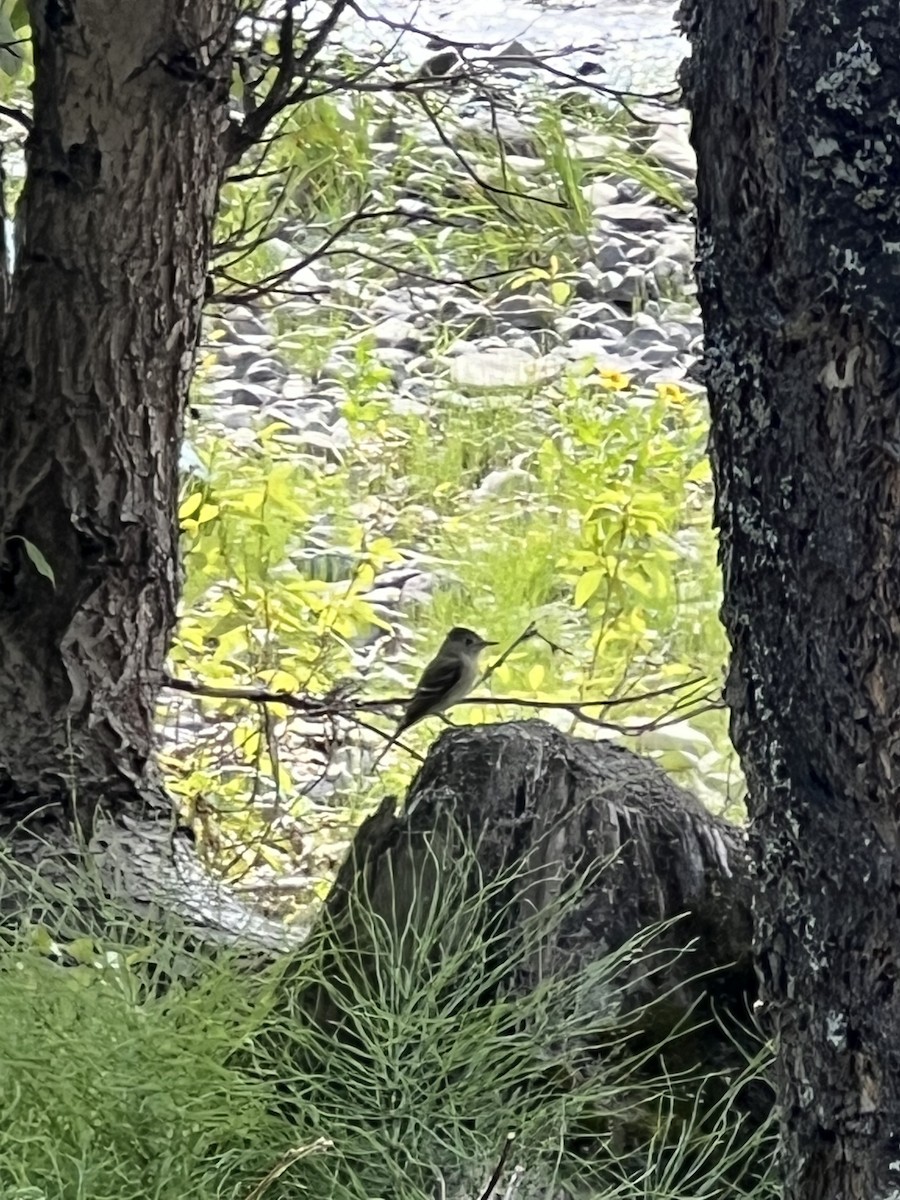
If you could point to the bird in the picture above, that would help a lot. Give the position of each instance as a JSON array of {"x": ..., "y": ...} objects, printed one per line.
[{"x": 449, "y": 676}]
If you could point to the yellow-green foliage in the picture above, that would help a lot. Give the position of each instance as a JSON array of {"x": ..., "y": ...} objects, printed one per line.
[
  {"x": 581, "y": 503},
  {"x": 600, "y": 533}
]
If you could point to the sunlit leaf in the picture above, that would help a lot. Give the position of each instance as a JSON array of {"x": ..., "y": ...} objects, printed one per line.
[
  {"x": 190, "y": 505},
  {"x": 536, "y": 676},
  {"x": 587, "y": 585}
]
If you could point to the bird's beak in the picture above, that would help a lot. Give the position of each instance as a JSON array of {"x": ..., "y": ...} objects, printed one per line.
[{"x": 484, "y": 644}]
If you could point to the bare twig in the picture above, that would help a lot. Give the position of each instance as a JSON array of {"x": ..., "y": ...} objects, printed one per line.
[
  {"x": 498, "y": 1170},
  {"x": 287, "y": 1160},
  {"x": 473, "y": 174},
  {"x": 350, "y": 708},
  {"x": 16, "y": 114}
]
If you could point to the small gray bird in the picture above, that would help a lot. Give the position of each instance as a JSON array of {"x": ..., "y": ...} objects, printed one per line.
[{"x": 449, "y": 676}]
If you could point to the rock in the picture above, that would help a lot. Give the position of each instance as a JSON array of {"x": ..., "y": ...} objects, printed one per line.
[
  {"x": 679, "y": 249},
  {"x": 631, "y": 191},
  {"x": 525, "y": 311},
  {"x": 669, "y": 273},
  {"x": 639, "y": 218},
  {"x": 521, "y": 165},
  {"x": 498, "y": 369},
  {"x": 298, "y": 419},
  {"x": 657, "y": 354},
  {"x": 460, "y": 312},
  {"x": 640, "y": 338},
  {"x": 640, "y": 253},
  {"x": 569, "y": 327},
  {"x": 623, "y": 286},
  {"x": 536, "y": 343},
  {"x": 238, "y": 357},
  {"x": 399, "y": 334},
  {"x": 515, "y": 55},
  {"x": 237, "y": 416},
  {"x": 597, "y": 146},
  {"x": 607, "y": 315},
  {"x": 676, "y": 334},
  {"x": 670, "y": 374},
  {"x": 253, "y": 394},
  {"x": 672, "y": 149},
  {"x": 515, "y": 136},
  {"x": 266, "y": 370},
  {"x": 244, "y": 324},
  {"x": 511, "y": 481},
  {"x": 599, "y": 194}
]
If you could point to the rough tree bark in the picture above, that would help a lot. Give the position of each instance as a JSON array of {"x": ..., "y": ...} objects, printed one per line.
[
  {"x": 795, "y": 124},
  {"x": 130, "y": 143},
  {"x": 97, "y": 349}
]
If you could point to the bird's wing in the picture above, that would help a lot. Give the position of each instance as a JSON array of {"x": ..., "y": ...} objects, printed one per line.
[{"x": 439, "y": 685}]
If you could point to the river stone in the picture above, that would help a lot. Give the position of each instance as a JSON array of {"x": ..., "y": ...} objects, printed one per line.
[
  {"x": 245, "y": 324},
  {"x": 573, "y": 326},
  {"x": 515, "y": 136},
  {"x": 589, "y": 284},
  {"x": 297, "y": 419},
  {"x": 460, "y": 312},
  {"x": 612, "y": 256},
  {"x": 238, "y": 357},
  {"x": 599, "y": 194},
  {"x": 672, "y": 149},
  {"x": 606, "y": 314},
  {"x": 623, "y": 287},
  {"x": 639, "y": 218},
  {"x": 667, "y": 271},
  {"x": 658, "y": 354},
  {"x": 640, "y": 338},
  {"x": 669, "y": 374},
  {"x": 511, "y": 481},
  {"x": 524, "y": 166},
  {"x": 536, "y": 343},
  {"x": 679, "y": 249},
  {"x": 237, "y": 416},
  {"x": 398, "y": 334},
  {"x": 676, "y": 334},
  {"x": 596, "y": 146},
  {"x": 525, "y": 312},
  {"x": 496, "y": 369},
  {"x": 266, "y": 370}
]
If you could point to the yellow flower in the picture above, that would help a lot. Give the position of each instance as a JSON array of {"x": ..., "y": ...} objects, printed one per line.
[
  {"x": 613, "y": 380},
  {"x": 671, "y": 393}
]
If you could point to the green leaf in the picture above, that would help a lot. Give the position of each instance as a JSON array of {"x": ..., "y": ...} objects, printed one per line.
[
  {"x": 587, "y": 585},
  {"x": 11, "y": 47},
  {"x": 40, "y": 563},
  {"x": 560, "y": 291},
  {"x": 536, "y": 676},
  {"x": 190, "y": 505}
]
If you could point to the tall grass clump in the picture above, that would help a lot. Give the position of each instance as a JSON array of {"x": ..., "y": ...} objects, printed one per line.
[{"x": 390, "y": 1056}]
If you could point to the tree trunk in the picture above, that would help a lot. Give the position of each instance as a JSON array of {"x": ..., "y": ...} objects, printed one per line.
[
  {"x": 549, "y": 816},
  {"x": 798, "y": 147},
  {"x": 97, "y": 350},
  {"x": 524, "y": 793}
]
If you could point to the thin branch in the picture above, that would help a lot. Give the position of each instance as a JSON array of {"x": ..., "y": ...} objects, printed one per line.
[
  {"x": 349, "y": 708},
  {"x": 241, "y": 137},
  {"x": 275, "y": 278},
  {"x": 498, "y": 1170},
  {"x": 473, "y": 174},
  {"x": 16, "y": 114}
]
